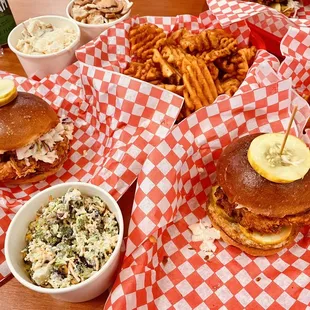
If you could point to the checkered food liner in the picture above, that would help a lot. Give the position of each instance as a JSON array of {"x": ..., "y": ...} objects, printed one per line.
[
  {"x": 111, "y": 50},
  {"x": 231, "y": 11},
  {"x": 162, "y": 268},
  {"x": 295, "y": 46},
  {"x": 117, "y": 122}
]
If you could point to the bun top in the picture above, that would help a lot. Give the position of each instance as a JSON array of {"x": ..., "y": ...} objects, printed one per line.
[
  {"x": 24, "y": 120},
  {"x": 243, "y": 185}
]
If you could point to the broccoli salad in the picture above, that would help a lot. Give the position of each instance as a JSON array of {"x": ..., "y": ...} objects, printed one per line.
[{"x": 71, "y": 238}]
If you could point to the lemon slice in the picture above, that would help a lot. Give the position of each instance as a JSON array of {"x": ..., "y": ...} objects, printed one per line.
[
  {"x": 264, "y": 157},
  {"x": 8, "y": 92},
  {"x": 273, "y": 238}
]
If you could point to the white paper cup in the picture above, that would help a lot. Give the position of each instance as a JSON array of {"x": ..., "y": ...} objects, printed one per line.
[
  {"x": 89, "y": 31},
  {"x": 39, "y": 66},
  {"x": 15, "y": 242}
]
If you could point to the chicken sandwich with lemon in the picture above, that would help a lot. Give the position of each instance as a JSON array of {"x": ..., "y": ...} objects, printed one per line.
[
  {"x": 34, "y": 142},
  {"x": 287, "y": 7},
  {"x": 262, "y": 197}
]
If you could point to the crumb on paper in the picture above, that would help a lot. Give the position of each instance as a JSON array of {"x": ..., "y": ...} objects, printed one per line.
[
  {"x": 80, "y": 122},
  {"x": 258, "y": 279},
  {"x": 152, "y": 239},
  {"x": 200, "y": 170},
  {"x": 202, "y": 231},
  {"x": 165, "y": 259},
  {"x": 85, "y": 153},
  {"x": 206, "y": 222},
  {"x": 163, "y": 121}
]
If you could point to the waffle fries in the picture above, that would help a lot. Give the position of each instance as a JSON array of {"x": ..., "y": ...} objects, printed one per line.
[
  {"x": 143, "y": 39},
  {"x": 198, "y": 67},
  {"x": 146, "y": 71}
]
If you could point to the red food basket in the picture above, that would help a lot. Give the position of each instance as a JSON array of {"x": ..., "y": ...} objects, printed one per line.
[{"x": 265, "y": 40}]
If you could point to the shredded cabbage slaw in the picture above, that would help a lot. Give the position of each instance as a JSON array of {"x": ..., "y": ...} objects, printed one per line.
[{"x": 72, "y": 237}]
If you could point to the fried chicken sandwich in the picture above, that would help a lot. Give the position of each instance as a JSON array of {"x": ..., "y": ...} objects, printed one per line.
[
  {"x": 262, "y": 196},
  {"x": 286, "y": 7},
  {"x": 34, "y": 142}
]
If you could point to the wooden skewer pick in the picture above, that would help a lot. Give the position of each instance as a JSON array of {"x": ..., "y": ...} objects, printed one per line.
[{"x": 288, "y": 129}]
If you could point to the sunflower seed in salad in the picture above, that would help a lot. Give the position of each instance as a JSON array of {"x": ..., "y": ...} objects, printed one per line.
[{"x": 71, "y": 238}]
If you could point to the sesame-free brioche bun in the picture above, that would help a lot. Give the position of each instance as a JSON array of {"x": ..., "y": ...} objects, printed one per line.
[
  {"x": 243, "y": 185},
  {"x": 24, "y": 120}
]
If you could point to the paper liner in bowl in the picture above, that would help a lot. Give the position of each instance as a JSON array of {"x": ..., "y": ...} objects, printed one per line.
[
  {"x": 266, "y": 18},
  {"x": 117, "y": 122},
  {"x": 111, "y": 50},
  {"x": 162, "y": 269}
]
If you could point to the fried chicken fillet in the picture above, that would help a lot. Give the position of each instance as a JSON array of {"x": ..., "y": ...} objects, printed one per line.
[
  {"x": 34, "y": 141},
  {"x": 258, "y": 216}
]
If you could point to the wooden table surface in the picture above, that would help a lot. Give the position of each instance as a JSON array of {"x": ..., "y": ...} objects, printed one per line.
[{"x": 12, "y": 294}]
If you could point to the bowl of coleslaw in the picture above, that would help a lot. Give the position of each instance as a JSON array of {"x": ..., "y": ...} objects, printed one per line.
[
  {"x": 45, "y": 44},
  {"x": 66, "y": 242}
]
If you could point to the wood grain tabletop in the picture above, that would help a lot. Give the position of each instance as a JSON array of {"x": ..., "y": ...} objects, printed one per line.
[{"x": 14, "y": 296}]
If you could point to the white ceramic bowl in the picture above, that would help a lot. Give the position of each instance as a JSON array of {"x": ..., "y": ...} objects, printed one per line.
[
  {"x": 42, "y": 65},
  {"x": 89, "y": 31},
  {"x": 15, "y": 242}
]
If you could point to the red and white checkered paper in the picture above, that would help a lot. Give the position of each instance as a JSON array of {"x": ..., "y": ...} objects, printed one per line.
[
  {"x": 111, "y": 50},
  {"x": 117, "y": 122},
  {"x": 231, "y": 11},
  {"x": 172, "y": 193},
  {"x": 295, "y": 34},
  {"x": 295, "y": 46}
]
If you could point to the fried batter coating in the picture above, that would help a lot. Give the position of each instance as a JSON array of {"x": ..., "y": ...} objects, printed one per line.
[
  {"x": 198, "y": 66},
  {"x": 230, "y": 86},
  {"x": 195, "y": 42},
  {"x": 174, "y": 55},
  {"x": 144, "y": 71},
  {"x": 214, "y": 71},
  {"x": 227, "y": 47},
  {"x": 216, "y": 37},
  {"x": 259, "y": 222},
  {"x": 144, "y": 38},
  {"x": 177, "y": 89},
  {"x": 243, "y": 61},
  {"x": 225, "y": 65},
  {"x": 198, "y": 83},
  {"x": 167, "y": 70},
  {"x": 12, "y": 168}
]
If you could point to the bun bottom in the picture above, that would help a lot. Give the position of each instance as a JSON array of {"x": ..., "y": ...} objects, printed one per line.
[
  {"x": 250, "y": 250},
  {"x": 35, "y": 177}
]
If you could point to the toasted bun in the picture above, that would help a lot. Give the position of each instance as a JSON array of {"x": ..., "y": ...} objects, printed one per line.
[
  {"x": 250, "y": 250},
  {"x": 243, "y": 185},
  {"x": 24, "y": 120},
  {"x": 36, "y": 177}
]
